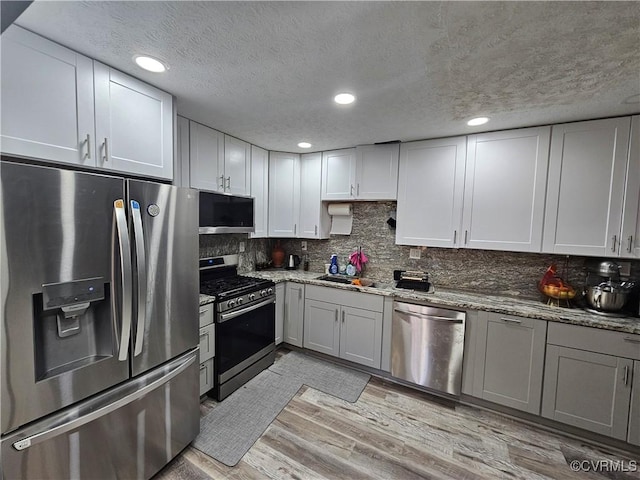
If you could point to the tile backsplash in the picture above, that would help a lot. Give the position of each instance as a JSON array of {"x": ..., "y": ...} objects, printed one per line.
[
  {"x": 256, "y": 250},
  {"x": 485, "y": 271}
]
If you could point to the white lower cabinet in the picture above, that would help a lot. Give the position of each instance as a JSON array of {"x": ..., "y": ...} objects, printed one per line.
[
  {"x": 588, "y": 379},
  {"x": 508, "y": 360},
  {"x": 634, "y": 410},
  {"x": 207, "y": 347},
  {"x": 335, "y": 323},
  {"x": 294, "y": 314},
  {"x": 280, "y": 301}
]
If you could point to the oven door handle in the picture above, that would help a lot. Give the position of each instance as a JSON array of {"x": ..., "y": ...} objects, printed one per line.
[{"x": 228, "y": 316}]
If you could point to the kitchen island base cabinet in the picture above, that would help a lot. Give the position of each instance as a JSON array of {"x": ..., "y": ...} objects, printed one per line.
[
  {"x": 509, "y": 360},
  {"x": 336, "y": 324},
  {"x": 294, "y": 314}
]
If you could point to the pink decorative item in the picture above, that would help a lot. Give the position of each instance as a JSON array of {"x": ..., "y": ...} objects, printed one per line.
[{"x": 358, "y": 259}]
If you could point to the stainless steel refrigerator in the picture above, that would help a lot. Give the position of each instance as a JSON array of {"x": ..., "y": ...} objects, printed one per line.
[{"x": 99, "y": 290}]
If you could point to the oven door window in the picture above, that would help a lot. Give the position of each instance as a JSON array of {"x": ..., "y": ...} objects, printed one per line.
[{"x": 240, "y": 337}]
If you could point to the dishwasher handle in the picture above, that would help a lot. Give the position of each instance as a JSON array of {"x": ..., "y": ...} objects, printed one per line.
[{"x": 435, "y": 318}]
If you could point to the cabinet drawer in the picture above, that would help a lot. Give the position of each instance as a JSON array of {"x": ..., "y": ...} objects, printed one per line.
[
  {"x": 206, "y": 376},
  {"x": 206, "y": 314},
  {"x": 207, "y": 342},
  {"x": 365, "y": 301},
  {"x": 620, "y": 344}
]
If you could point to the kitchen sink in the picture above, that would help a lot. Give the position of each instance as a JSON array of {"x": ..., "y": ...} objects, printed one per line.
[{"x": 336, "y": 279}]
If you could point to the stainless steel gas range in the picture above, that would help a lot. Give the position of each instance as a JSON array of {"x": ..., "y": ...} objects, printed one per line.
[{"x": 245, "y": 322}]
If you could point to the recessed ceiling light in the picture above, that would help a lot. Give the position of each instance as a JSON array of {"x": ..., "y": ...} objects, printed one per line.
[
  {"x": 304, "y": 145},
  {"x": 477, "y": 121},
  {"x": 344, "y": 98},
  {"x": 150, "y": 64}
]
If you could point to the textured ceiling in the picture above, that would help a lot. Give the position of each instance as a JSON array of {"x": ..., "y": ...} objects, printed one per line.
[{"x": 266, "y": 72}]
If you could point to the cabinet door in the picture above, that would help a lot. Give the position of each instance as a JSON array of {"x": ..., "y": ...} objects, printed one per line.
[
  {"x": 585, "y": 189},
  {"x": 280, "y": 308},
  {"x": 260, "y": 190},
  {"x": 237, "y": 166},
  {"x": 510, "y": 360},
  {"x": 206, "y": 158},
  {"x": 587, "y": 390},
  {"x": 630, "y": 239},
  {"x": 430, "y": 192},
  {"x": 361, "y": 336},
  {"x": 294, "y": 314},
  {"x": 47, "y": 100},
  {"x": 314, "y": 221},
  {"x": 504, "y": 189},
  {"x": 634, "y": 411},
  {"x": 284, "y": 194},
  {"x": 134, "y": 125},
  {"x": 377, "y": 172},
  {"x": 339, "y": 174},
  {"x": 321, "y": 327}
]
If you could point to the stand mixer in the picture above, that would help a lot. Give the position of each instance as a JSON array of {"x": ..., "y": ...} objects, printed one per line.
[{"x": 604, "y": 292}]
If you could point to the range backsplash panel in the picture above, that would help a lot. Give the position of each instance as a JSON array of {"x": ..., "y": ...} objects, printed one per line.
[
  {"x": 256, "y": 250},
  {"x": 485, "y": 271}
]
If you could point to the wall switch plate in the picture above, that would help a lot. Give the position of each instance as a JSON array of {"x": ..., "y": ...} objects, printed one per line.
[
  {"x": 303, "y": 245},
  {"x": 414, "y": 253},
  {"x": 241, "y": 247}
]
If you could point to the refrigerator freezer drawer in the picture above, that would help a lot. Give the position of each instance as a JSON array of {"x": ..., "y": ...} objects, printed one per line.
[{"x": 131, "y": 431}]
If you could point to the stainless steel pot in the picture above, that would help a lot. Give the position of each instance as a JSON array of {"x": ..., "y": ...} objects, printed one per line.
[{"x": 606, "y": 297}]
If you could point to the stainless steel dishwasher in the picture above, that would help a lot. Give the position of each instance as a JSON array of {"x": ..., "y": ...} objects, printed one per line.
[{"x": 427, "y": 345}]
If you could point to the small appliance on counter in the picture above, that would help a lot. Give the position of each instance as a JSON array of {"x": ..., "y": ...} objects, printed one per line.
[
  {"x": 606, "y": 293},
  {"x": 293, "y": 262},
  {"x": 413, "y": 280}
]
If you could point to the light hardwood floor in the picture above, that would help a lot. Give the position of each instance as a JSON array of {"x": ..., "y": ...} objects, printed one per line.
[{"x": 393, "y": 432}]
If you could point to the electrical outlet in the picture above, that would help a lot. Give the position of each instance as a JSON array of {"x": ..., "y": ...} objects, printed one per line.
[
  {"x": 414, "y": 253},
  {"x": 304, "y": 245},
  {"x": 241, "y": 247}
]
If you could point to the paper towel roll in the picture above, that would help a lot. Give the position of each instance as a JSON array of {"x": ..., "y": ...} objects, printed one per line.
[
  {"x": 341, "y": 218},
  {"x": 339, "y": 209}
]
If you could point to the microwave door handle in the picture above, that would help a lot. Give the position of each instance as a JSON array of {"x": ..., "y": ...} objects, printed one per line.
[
  {"x": 122, "y": 234},
  {"x": 141, "y": 266}
]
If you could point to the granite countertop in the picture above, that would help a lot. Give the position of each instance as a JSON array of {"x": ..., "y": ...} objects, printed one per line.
[{"x": 468, "y": 301}]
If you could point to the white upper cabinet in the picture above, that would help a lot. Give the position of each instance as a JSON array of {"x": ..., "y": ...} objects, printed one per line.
[
  {"x": 585, "y": 191},
  {"x": 339, "y": 174},
  {"x": 206, "y": 157},
  {"x": 284, "y": 194},
  {"x": 260, "y": 190},
  {"x": 134, "y": 125},
  {"x": 237, "y": 166},
  {"x": 430, "y": 192},
  {"x": 181, "y": 161},
  {"x": 630, "y": 238},
  {"x": 377, "y": 172},
  {"x": 47, "y": 100},
  {"x": 504, "y": 190},
  {"x": 314, "y": 220}
]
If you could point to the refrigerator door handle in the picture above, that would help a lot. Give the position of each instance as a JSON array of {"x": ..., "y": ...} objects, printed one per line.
[
  {"x": 120, "y": 220},
  {"x": 104, "y": 410},
  {"x": 141, "y": 264}
]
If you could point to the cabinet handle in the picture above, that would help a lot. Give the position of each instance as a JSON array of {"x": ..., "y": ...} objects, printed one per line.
[
  {"x": 614, "y": 239},
  {"x": 343, "y": 316},
  {"x": 511, "y": 320},
  {"x": 336, "y": 315},
  {"x": 228, "y": 183},
  {"x": 106, "y": 151},
  {"x": 466, "y": 235},
  {"x": 300, "y": 294},
  {"x": 351, "y": 191},
  {"x": 315, "y": 229},
  {"x": 295, "y": 228},
  {"x": 358, "y": 190},
  {"x": 222, "y": 182},
  {"x": 203, "y": 366},
  {"x": 88, "y": 154},
  {"x": 630, "y": 247},
  {"x": 626, "y": 375},
  {"x": 632, "y": 340},
  {"x": 455, "y": 236}
]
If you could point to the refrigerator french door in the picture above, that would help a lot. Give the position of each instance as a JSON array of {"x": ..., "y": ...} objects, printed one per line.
[{"x": 99, "y": 292}]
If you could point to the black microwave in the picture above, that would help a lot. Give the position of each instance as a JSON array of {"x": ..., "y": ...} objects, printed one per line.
[{"x": 222, "y": 213}]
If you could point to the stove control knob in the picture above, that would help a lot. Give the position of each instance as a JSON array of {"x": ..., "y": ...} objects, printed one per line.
[
  {"x": 270, "y": 291},
  {"x": 252, "y": 296},
  {"x": 263, "y": 293},
  {"x": 239, "y": 301},
  {"x": 231, "y": 303}
]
